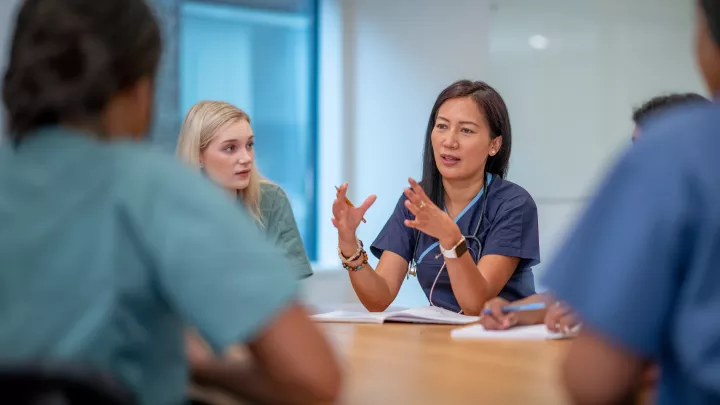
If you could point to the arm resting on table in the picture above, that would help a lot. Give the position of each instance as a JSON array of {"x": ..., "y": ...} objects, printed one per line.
[{"x": 293, "y": 364}]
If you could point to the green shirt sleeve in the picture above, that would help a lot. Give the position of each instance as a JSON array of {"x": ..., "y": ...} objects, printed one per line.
[
  {"x": 282, "y": 229},
  {"x": 212, "y": 264}
]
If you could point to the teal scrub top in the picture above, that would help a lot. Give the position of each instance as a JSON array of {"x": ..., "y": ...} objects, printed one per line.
[
  {"x": 281, "y": 228},
  {"x": 108, "y": 250}
]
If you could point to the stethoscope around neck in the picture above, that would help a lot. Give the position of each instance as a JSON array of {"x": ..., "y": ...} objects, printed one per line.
[{"x": 469, "y": 239}]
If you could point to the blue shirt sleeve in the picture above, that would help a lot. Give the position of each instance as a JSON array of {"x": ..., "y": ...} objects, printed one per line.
[
  {"x": 514, "y": 232},
  {"x": 619, "y": 267},
  {"x": 395, "y": 236},
  {"x": 212, "y": 263}
]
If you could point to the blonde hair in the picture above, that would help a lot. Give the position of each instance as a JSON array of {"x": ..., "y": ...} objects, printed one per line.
[{"x": 199, "y": 129}]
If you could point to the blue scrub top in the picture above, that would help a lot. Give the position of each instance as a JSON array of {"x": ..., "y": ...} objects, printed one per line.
[
  {"x": 642, "y": 267},
  {"x": 509, "y": 227}
]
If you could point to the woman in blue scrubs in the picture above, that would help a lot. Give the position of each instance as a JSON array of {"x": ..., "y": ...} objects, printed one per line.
[{"x": 467, "y": 233}]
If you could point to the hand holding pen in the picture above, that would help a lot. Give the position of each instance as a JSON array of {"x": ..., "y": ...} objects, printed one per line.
[
  {"x": 499, "y": 314},
  {"x": 536, "y": 306},
  {"x": 349, "y": 203},
  {"x": 347, "y": 217}
]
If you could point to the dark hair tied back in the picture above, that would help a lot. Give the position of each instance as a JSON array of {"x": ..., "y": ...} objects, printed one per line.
[{"x": 68, "y": 59}]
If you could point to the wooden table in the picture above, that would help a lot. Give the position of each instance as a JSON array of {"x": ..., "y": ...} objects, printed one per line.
[
  {"x": 415, "y": 364},
  {"x": 421, "y": 364}
]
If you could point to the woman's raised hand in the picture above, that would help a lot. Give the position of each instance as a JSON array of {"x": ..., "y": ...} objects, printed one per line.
[{"x": 346, "y": 218}]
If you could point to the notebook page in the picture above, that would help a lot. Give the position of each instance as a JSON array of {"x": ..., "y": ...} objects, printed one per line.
[
  {"x": 432, "y": 315},
  {"x": 532, "y": 332},
  {"x": 352, "y": 317}
]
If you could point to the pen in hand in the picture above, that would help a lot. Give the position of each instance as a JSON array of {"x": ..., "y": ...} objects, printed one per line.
[
  {"x": 518, "y": 308},
  {"x": 347, "y": 201}
]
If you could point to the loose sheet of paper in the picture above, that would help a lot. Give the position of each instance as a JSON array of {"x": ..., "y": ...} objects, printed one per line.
[{"x": 532, "y": 332}]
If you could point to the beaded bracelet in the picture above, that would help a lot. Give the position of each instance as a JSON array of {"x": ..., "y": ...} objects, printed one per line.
[
  {"x": 346, "y": 264},
  {"x": 358, "y": 253}
]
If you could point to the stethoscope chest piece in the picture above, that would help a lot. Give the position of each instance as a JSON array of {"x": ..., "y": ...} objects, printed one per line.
[{"x": 412, "y": 270}]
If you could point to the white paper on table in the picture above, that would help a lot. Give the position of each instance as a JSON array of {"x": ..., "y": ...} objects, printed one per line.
[{"x": 532, "y": 332}]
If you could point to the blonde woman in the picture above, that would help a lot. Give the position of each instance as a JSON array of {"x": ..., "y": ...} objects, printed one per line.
[{"x": 217, "y": 138}]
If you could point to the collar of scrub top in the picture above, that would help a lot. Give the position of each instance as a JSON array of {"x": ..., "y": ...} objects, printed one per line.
[{"x": 474, "y": 201}]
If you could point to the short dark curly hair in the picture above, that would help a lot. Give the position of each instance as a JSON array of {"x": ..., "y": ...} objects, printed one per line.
[
  {"x": 711, "y": 9},
  {"x": 68, "y": 58},
  {"x": 663, "y": 103}
]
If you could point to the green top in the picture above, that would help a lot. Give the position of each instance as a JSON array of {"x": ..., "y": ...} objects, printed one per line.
[
  {"x": 280, "y": 226},
  {"x": 109, "y": 250}
]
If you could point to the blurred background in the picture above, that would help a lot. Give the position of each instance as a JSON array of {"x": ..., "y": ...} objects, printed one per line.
[{"x": 341, "y": 90}]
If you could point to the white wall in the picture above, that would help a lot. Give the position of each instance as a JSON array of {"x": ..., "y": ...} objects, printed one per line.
[
  {"x": 383, "y": 63},
  {"x": 571, "y": 103}
]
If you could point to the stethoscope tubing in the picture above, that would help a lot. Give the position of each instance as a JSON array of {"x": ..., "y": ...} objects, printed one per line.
[{"x": 412, "y": 270}]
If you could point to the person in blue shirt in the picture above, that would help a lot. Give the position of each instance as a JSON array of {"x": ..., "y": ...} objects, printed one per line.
[
  {"x": 558, "y": 316},
  {"x": 108, "y": 250},
  {"x": 467, "y": 232},
  {"x": 641, "y": 267},
  {"x": 662, "y": 104}
]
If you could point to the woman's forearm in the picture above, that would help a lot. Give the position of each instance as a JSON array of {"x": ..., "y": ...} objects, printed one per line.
[
  {"x": 372, "y": 290},
  {"x": 470, "y": 288}
]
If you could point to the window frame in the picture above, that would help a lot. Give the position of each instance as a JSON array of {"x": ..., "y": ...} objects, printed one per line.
[{"x": 310, "y": 225}]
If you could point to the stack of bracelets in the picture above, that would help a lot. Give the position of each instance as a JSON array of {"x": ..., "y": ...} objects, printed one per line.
[{"x": 350, "y": 263}]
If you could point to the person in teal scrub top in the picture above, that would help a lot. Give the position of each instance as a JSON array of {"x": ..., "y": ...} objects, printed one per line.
[
  {"x": 217, "y": 138},
  {"x": 108, "y": 250}
]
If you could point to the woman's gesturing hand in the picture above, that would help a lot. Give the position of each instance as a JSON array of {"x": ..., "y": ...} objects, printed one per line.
[
  {"x": 346, "y": 218},
  {"x": 429, "y": 218}
]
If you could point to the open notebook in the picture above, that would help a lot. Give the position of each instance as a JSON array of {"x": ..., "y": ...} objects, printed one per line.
[
  {"x": 433, "y": 315},
  {"x": 532, "y": 332}
]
